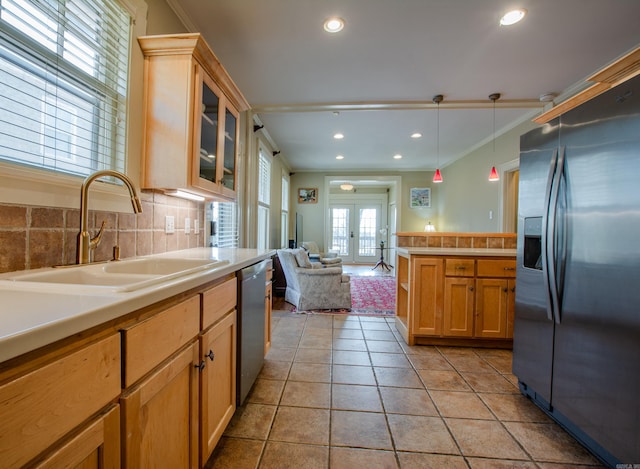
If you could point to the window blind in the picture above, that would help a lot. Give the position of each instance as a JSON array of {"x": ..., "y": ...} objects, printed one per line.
[
  {"x": 63, "y": 84},
  {"x": 264, "y": 179},
  {"x": 225, "y": 214}
]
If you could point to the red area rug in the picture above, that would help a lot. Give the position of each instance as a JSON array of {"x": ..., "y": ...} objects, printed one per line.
[{"x": 370, "y": 296}]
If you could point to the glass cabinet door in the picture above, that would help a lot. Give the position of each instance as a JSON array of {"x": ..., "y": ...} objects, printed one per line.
[
  {"x": 209, "y": 134},
  {"x": 230, "y": 136}
]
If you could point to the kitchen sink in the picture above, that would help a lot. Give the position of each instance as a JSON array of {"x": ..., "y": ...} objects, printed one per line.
[{"x": 121, "y": 276}]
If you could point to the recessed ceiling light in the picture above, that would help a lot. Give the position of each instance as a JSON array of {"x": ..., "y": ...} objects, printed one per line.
[
  {"x": 339, "y": 157},
  {"x": 397, "y": 156},
  {"x": 416, "y": 135},
  {"x": 338, "y": 136},
  {"x": 512, "y": 17},
  {"x": 333, "y": 24}
]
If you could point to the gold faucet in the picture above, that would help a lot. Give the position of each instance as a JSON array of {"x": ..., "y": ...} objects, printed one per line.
[{"x": 87, "y": 244}]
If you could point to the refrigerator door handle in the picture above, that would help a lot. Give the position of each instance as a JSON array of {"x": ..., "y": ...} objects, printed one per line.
[
  {"x": 545, "y": 234},
  {"x": 552, "y": 248}
]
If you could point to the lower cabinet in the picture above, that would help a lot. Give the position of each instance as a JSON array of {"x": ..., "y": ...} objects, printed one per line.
[
  {"x": 495, "y": 303},
  {"x": 426, "y": 299},
  {"x": 160, "y": 415},
  {"x": 458, "y": 307}
]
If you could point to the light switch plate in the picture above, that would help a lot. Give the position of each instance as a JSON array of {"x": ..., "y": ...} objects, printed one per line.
[
  {"x": 187, "y": 225},
  {"x": 169, "y": 224},
  {"x": 196, "y": 226}
]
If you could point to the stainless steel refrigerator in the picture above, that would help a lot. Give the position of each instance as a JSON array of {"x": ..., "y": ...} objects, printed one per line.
[{"x": 576, "y": 349}]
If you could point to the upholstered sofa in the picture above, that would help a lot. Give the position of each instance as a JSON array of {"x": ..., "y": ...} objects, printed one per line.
[
  {"x": 328, "y": 259},
  {"x": 312, "y": 286}
]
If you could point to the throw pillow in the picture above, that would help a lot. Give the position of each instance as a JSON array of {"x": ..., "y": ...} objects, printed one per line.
[{"x": 302, "y": 258}]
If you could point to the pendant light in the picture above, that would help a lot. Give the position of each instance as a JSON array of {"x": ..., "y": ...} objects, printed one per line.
[
  {"x": 437, "y": 177},
  {"x": 493, "y": 175}
]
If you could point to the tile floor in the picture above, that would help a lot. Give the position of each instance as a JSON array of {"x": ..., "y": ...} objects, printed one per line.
[{"x": 342, "y": 391}]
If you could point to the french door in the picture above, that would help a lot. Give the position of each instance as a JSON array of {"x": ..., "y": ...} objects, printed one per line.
[{"x": 355, "y": 231}]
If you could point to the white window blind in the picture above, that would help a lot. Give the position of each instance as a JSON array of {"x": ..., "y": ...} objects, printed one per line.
[
  {"x": 284, "y": 218},
  {"x": 225, "y": 214},
  {"x": 63, "y": 84},
  {"x": 264, "y": 179}
]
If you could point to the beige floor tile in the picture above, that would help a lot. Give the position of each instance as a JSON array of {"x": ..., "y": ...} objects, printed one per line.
[
  {"x": 485, "y": 438},
  {"x": 514, "y": 407},
  {"x": 394, "y": 360},
  {"x": 398, "y": 377},
  {"x": 358, "y": 345},
  {"x": 430, "y": 461},
  {"x": 381, "y": 319},
  {"x": 313, "y": 372},
  {"x": 348, "y": 334},
  {"x": 348, "y": 357},
  {"x": 284, "y": 354},
  {"x": 346, "y": 322},
  {"x": 375, "y": 326},
  {"x": 384, "y": 346},
  {"x": 378, "y": 335},
  {"x": 553, "y": 465},
  {"x": 238, "y": 453},
  {"x": 482, "y": 463},
  {"x": 430, "y": 362},
  {"x": 456, "y": 404},
  {"x": 294, "y": 456},
  {"x": 319, "y": 321},
  {"x": 488, "y": 382},
  {"x": 266, "y": 391},
  {"x": 502, "y": 364},
  {"x": 548, "y": 442},
  {"x": 359, "y": 429},
  {"x": 273, "y": 369},
  {"x": 251, "y": 421},
  {"x": 301, "y": 425},
  {"x": 470, "y": 363},
  {"x": 349, "y": 458},
  {"x": 355, "y": 397},
  {"x": 323, "y": 333},
  {"x": 310, "y": 341},
  {"x": 421, "y": 434},
  {"x": 407, "y": 401},
  {"x": 304, "y": 394},
  {"x": 313, "y": 355},
  {"x": 448, "y": 351},
  {"x": 443, "y": 380},
  {"x": 351, "y": 374}
]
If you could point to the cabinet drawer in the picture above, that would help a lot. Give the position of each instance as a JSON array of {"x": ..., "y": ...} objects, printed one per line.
[
  {"x": 459, "y": 267},
  {"x": 218, "y": 301},
  {"x": 150, "y": 342},
  {"x": 42, "y": 406},
  {"x": 496, "y": 268}
]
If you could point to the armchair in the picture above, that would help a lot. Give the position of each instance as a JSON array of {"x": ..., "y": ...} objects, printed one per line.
[
  {"x": 329, "y": 259},
  {"x": 313, "y": 288}
]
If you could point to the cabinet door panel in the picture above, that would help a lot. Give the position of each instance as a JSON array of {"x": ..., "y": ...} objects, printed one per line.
[
  {"x": 491, "y": 308},
  {"x": 426, "y": 288},
  {"x": 458, "y": 307}
]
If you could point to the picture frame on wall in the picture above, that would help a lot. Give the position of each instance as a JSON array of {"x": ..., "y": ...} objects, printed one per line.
[
  {"x": 420, "y": 197},
  {"x": 307, "y": 195}
]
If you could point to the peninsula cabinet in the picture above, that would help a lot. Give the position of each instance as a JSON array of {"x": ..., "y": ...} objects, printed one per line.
[
  {"x": 191, "y": 118},
  {"x": 455, "y": 300}
]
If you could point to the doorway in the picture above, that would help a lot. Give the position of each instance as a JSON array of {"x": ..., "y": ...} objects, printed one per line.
[{"x": 354, "y": 231}]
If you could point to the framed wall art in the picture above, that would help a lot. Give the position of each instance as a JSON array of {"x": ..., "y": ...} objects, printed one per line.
[
  {"x": 420, "y": 197},
  {"x": 307, "y": 195}
]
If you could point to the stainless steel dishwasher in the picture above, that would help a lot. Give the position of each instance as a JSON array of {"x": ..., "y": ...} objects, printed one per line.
[{"x": 250, "y": 327}]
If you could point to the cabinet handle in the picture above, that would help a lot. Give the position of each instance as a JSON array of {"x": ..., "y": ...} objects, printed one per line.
[
  {"x": 509, "y": 268},
  {"x": 470, "y": 288},
  {"x": 513, "y": 290},
  {"x": 211, "y": 355},
  {"x": 461, "y": 267},
  {"x": 200, "y": 366},
  {"x": 505, "y": 290}
]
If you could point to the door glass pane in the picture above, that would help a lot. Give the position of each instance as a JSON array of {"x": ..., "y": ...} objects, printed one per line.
[
  {"x": 208, "y": 134},
  {"x": 340, "y": 231},
  {"x": 367, "y": 231},
  {"x": 228, "y": 178}
]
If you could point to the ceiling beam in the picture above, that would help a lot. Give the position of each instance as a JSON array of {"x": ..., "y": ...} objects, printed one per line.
[{"x": 399, "y": 105}]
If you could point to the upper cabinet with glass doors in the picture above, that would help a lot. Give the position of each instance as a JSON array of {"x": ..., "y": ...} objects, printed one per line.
[{"x": 192, "y": 118}]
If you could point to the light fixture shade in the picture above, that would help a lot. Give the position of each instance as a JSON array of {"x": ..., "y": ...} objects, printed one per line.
[
  {"x": 493, "y": 176},
  {"x": 437, "y": 177},
  {"x": 346, "y": 187},
  {"x": 429, "y": 227}
]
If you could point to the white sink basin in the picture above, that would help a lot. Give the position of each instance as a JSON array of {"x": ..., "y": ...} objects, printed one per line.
[{"x": 121, "y": 276}]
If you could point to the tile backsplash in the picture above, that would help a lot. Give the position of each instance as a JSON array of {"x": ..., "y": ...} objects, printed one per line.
[
  {"x": 458, "y": 240},
  {"x": 32, "y": 237}
]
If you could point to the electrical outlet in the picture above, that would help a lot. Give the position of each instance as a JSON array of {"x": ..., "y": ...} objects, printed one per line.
[
  {"x": 169, "y": 224},
  {"x": 187, "y": 225},
  {"x": 490, "y": 214},
  {"x": 196, "y": 226}
]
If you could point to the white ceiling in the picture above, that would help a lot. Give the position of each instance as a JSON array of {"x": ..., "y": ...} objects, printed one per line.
[{"x": 397, "y": 54}]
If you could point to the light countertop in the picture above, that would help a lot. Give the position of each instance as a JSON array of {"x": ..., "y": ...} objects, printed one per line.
[
  {"x": 472, "y": 252},
  {"x": 34, "y": 316}
]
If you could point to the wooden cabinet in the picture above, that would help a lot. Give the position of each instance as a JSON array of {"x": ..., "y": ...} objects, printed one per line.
[
  {"x": 160, "y": 404},
  {"x": 192, "y": 118},
  {"x": 268, "y": 307},
  {"x": 455, "y": 300},
  {"x": 218, "y": 343},
  {"x": 45, "y": 409}
]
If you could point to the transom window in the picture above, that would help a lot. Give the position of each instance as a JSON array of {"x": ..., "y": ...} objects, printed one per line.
[{"x": 63, "y": 84}]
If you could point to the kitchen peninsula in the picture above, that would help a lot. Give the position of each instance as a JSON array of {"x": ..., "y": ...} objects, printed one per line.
[
  {"x": 456, "y": 288},
  {"x": 102, "y": 374}
]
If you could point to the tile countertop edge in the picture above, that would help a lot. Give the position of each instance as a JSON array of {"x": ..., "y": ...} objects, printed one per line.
[
  {"x": 17, "y": 338},
  {"x": 479, "y": 252}
]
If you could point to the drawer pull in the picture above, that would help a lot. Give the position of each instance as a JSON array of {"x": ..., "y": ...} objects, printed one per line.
[
  {"x": 200, "y": 366},
  {"x": 461, "y": 267},
  {"x": 505, "y": 290},
  {"x": 211, "y": 355},
  {"x": 509, "y": 268}
]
